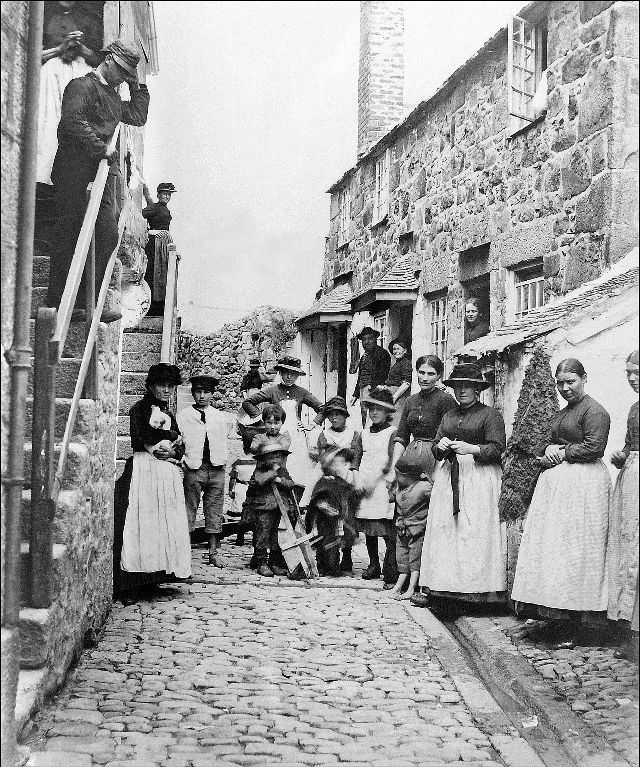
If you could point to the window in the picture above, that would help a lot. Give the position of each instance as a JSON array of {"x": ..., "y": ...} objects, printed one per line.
[
  {"x": 438, "y": 326},
  {"x": 381, "y": 194},
  {"x": 527, "y": 54},
  {"x": 528, "y": 290},
  {"x": 380, "y": 324},
  {"x": 343, "y": 216}
]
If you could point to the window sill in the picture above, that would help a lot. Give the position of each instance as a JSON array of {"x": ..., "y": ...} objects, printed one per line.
[{"x": 527, "y": 127}]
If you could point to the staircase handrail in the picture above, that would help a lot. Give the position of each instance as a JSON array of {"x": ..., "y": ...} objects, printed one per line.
[{"x": 76, "y": 270}]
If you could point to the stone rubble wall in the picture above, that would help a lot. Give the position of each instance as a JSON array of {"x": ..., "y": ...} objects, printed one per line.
[
  {"x": 228, "y": 350},
  {"x": 564, "y": 190}
]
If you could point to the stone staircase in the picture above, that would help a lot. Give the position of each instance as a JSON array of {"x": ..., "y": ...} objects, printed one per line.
[{"x": 141, "y": 346}]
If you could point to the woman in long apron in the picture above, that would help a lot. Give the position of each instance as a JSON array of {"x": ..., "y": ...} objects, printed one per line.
[
  {"x": 561, "y": 571},
  {"x": 291, "y": 398},
  {"x": 464, "y": 551},
  {"x": 151, "y": 532},
  {"x": 622, "y": 547},
  {"x": 419, "y": 422}
]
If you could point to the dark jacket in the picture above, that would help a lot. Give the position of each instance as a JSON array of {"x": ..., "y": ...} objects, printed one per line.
[
  {"x": 142, "y": 433},
  {"x": 158, "y": 216},
  {"x": 375, "y": 366},
  {"x": 90, "y": 113}
]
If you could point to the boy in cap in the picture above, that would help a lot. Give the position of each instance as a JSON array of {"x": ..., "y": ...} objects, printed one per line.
[
  {"x": 158, "y": 217},
  {"x": 204, "y": 432},
  {"x": 91, "y": 110},
  {"x": 332, "y": 510},
  {"x": 412, "y": 494},
  {"x": 263, "y": 507}
]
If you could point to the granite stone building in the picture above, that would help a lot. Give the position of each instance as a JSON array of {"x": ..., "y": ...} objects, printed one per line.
[
  {"x": 515, "y": 183},
  {"x": 57, "y": 566}
]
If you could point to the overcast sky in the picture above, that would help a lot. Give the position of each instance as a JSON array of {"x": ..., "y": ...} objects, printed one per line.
[{"x": 253, "y": 116}]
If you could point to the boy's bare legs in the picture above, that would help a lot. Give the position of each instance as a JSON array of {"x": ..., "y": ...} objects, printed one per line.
[
  {"x": 213, "y": 549},
  {"x": 395, "y": 591},
  {"x": 411, "y": 588}
]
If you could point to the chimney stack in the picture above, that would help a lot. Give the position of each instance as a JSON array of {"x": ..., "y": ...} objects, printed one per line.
[{"x": 381, "y": 74}]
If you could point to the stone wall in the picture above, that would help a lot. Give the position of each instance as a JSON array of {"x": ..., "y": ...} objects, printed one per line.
[
  {"x": 564, "y": 190},
  {"x": 267, "y": 332}
]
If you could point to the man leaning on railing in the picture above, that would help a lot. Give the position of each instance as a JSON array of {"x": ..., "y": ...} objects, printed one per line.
[{"x": 91, "y": 110}]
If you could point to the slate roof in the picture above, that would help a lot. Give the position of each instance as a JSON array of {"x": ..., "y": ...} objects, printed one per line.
[
  {"x": 336, "y": 301},
  {"x": 588, "y": 300},
  {"x": 400, "y": 276}
]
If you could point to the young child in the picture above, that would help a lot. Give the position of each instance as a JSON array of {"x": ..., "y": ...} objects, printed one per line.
[
  {"x": 332, "y": 509},
  {"x": 262, "y": 508},
  {"x": 412, "y": 495},
  {"x": 374, "y": 516},
  {"x": 273, "y": 418},
  {"x": 205, "y": 433}
]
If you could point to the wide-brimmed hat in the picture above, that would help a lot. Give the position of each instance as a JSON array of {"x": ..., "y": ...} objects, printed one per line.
[
  {"x": 205, "y": 376},
  {"x": 332, "y": 452},
  {"x": 163, "y": 372},
  {"x": 368, "y": 332},
  {"x": 250, "y": 420},
  {"x": 381, "y": 397},
  {"x": 125, "y": 57},
  {"x": 292, "y": 364},
  {"x": 400, "y": 342},
  {"x": 166, "y": 186},
  {"x": 335, "y": 405},
  {"x": 467, "y": 372},
  {"x": 264, "y": 451}
]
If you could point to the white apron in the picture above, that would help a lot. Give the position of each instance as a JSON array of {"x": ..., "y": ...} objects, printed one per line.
[
  {"x": 156, "y": 530},
  {"x": 375, "y": 460},
  {"x": 299, "y": 463}
]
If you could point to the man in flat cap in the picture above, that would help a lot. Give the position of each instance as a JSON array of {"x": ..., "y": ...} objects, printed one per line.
[
  {"x": 91, "y": 110},
  {"x": 158, "y": 217},
  {"x": 373, "y": 367}
]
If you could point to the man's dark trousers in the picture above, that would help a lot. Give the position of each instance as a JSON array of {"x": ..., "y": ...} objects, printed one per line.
[{"x": 70, "y": 176}]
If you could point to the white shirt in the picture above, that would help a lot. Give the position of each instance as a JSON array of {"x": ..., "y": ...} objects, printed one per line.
[{"x": 193, "y": 432}]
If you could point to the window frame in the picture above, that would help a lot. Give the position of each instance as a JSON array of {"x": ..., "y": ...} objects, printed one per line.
[
  {"x": 344, "y": 215},
  {"x": 516, "y": 283},
  {"x": 438, "y": 321},
  {"x": 381, "y": 188},
  {"x": 380, "y": 322},
  {"x": 520, "y": 94}
]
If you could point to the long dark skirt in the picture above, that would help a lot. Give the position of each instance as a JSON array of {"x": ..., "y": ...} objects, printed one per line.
[{"x": 124, "y": 582}]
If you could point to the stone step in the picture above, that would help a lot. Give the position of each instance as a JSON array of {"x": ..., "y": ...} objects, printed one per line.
[
  {"x": 40, "y": 271},
  {"x": 38, "y": 299},
  {"x": 76, "y": 338},
  {"x": 123, "y": 448},
  {"x": 140, "y": 342},
  {"x": 85, "y": 418},
  {"x": 139, "y": 361},
  {"x": 147, "y": 325},
  {"x": 126, "y": 402},
  {"x": 123, "y": 425},
  {"x": 77, "y": 469},
  {"x": 133, "y": 384},
  {"x": 58, "y": 559},
  {"x": 66, "y": 377},
  {"x": 70, "y": 514},
  {"x": 119, "y": 468}
]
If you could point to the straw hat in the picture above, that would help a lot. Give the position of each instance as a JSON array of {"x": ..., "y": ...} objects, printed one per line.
[
  {"x": 381, "y": 397},
  {"x": 291, "y": 364}
]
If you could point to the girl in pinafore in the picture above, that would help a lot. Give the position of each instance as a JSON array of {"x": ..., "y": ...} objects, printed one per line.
[
  {"x": 561, "y": 571},
  {"x": 374, "y": 516},
  {"x": 622, "y": 548}
]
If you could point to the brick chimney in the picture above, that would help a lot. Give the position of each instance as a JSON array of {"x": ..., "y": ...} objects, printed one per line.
[{"x": 381, "y": 75}]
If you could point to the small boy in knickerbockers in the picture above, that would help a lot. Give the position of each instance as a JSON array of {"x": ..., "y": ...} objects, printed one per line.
[
  {"x": 412, "y": 494},
  {"x": 331, "y": 510},
  {"x": 273, "y": 418},
  {"x": 261, "y": 506}
]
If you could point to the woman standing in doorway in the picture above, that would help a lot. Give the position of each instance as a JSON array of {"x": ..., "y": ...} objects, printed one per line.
[
  {"x": 561, "y": 571},
  {"x": 399, "y": 379},
  {"x": 151, "y": 542},
  {"x": 622, "y": 548},
  {"x": 464, "y": 551}
]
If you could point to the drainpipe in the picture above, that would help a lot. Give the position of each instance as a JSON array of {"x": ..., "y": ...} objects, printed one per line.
[{"x": 19, "y": 359}]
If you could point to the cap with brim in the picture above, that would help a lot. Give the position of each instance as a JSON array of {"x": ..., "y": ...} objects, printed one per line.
[
  {"x": 166, "y": 187},
  {"x": 126, "y": 58},
  {"x": 250, "y": 420},
  {"x": 333, "y": 452},
  {"x": 268, "y": 450},
  {"x": 381, "y": 397},
  {"x": 204, "y": 376},
  {"x": 291, "y": 364},
  {"x": 467, "y": 372},
  {"x": 368, "y": 332}
]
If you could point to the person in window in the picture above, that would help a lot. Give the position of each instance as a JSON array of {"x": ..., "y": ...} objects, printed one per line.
[
  {"x": 464, "y": 550},
  {"x": 91, "y": 110},
  {"x": 151, "y": 542},
  {"x": 622, "y": 547},
  {"x": 561, "y": 571},
  {"x": 399, "y": 379},
  {"x": 474, "y": 326},
  {"x": 158, "y": 217},
  {"x": 373, "y": 368},
  {"x": 71, "y": 38}
]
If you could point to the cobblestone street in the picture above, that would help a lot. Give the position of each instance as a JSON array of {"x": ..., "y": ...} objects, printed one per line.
[{"x": 234, "y": 671}]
